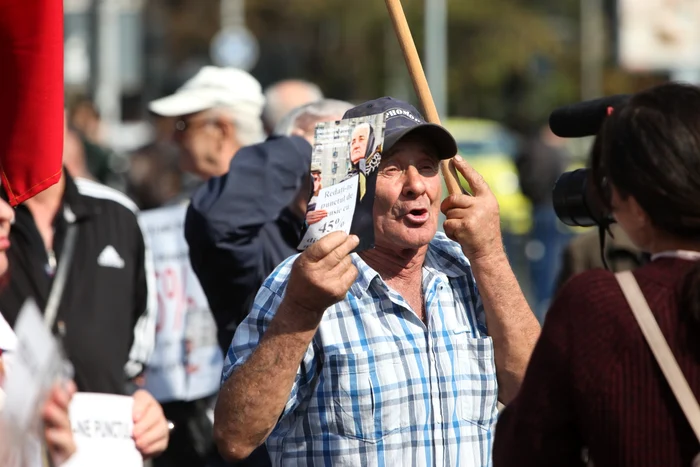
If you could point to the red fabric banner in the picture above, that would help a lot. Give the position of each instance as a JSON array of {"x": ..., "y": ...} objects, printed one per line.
[{"x": 31, "y": 93}]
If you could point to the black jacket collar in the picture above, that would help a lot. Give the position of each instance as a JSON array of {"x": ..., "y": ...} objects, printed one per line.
[{"x": 75, "y": 201}]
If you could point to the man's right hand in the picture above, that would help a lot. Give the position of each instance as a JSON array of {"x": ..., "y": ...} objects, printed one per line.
[{"x": 323, "y": 274}]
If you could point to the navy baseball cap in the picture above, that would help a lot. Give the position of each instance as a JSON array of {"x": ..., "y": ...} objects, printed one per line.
[{"x": 403, "y": 119}]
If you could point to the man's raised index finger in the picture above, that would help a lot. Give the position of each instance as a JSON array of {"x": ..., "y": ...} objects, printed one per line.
[{"x": 476, "y": 182}]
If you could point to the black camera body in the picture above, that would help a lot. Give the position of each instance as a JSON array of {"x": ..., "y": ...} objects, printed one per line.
[{"x": 576, "y": 202}]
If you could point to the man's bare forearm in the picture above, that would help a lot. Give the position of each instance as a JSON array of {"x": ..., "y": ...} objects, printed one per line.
[
  {"x": 252, "y": 399},
  {"x": 512, "y": 325}
]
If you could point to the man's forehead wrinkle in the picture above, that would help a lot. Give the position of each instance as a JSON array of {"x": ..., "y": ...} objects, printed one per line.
[{"x": 417, "y": 143}]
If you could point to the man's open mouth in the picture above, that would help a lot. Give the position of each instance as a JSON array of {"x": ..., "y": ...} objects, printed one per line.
[{"x": 418, "y": 216}]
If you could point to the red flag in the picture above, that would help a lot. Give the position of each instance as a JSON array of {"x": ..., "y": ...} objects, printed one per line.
[{"x": 31, "y": 93}]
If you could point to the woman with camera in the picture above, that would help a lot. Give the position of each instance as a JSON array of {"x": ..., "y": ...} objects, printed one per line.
[{"x": 593, "y": 385}]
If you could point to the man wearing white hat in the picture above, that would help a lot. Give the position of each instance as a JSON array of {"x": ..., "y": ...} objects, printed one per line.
[{"x": 218, "y": 112}]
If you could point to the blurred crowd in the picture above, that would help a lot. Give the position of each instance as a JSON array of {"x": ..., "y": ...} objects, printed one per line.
[
  {"x": 219, "y": 112},
  {"x": 230, "y": 167},
  {"x": 163, "y": 172}
]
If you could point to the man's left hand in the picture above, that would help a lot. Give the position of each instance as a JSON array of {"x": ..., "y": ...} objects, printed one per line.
[
  {"x": 151, "y": 432},
  {"x": 473, "y": 221}
]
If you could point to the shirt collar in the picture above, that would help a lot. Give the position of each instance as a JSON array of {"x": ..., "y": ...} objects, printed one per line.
[
  {"x": 444, "y": 257},
  {"x": 365, "y": 275}
]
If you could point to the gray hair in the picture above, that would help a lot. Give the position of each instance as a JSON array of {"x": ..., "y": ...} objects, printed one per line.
[
  {"x": 246, "y": 119},
  {"x": 276, "y": 100},
  {"x": 318, "y": 111}
]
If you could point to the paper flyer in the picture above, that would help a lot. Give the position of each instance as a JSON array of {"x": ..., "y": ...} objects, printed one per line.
[
  {"x": 36, "y": 363},
  {"x": 344, "y": 163},
  {"x": 102, "y": 429}
]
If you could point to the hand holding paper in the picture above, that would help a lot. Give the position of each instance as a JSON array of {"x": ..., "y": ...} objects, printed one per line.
[
  {"x": 57, "y": 428},
  {"x": 151, "y": 432},
  {"x": 322, "y": 275}
]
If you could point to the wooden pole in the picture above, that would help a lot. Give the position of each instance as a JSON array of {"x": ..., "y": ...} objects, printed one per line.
[{"x": 420, "y": 83}]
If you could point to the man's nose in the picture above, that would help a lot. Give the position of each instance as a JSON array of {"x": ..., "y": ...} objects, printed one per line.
[{"x": 414, "y": 184}]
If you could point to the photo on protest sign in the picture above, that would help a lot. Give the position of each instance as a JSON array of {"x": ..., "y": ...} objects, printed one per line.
[{"x": 344, "y": 166}]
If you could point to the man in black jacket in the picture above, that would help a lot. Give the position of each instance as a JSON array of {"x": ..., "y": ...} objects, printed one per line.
[
  {"x": 242, "y": 225},
  {"x": 107, "y": 309}
]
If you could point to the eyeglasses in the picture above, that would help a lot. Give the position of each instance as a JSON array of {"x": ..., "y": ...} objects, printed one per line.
[{"x": 183, "y": 125}]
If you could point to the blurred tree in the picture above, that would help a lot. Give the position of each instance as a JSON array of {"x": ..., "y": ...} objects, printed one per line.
[
  {"x": 342, "y": 46},
  {"x": 510, "y": 60}
]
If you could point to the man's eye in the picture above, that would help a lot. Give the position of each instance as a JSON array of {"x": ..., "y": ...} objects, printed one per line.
[
  {"x": 391, "y": 170},
  {"x": 428, "y": 169}
]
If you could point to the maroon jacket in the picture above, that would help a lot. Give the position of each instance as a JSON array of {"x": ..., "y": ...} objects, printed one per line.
[{"x": 593, "y": 381}]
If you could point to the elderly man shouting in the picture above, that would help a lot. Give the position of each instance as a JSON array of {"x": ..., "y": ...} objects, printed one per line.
[{"x": 397, "y": 355}]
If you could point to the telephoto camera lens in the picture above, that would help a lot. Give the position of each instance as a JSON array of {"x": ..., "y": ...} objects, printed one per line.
[{"x": 575, "y": 202}]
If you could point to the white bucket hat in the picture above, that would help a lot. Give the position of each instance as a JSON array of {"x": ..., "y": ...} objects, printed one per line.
[{"x": 213, "y": 87}]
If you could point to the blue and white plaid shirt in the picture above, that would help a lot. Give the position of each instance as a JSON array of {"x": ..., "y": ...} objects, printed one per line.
[{"x": 376, "y": 386}]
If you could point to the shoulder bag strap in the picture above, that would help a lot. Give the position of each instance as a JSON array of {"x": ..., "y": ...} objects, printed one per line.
[
  {"x": 660, "y": 349},
  {"x": 57, "y": 288},
  {"x": 59, "y": 281}
]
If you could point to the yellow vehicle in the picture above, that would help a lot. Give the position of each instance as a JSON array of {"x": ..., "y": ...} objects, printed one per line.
[{"x": 490, "y": 148}]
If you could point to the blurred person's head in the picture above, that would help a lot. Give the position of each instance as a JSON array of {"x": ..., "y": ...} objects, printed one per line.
[
  {"x": 646, "y": 167},
  {"x": 153, "y": 177},
  {"x": 358, "y": 143},
  {"x": 548, "y": 137},
  {"x": 216, "y": 113},
  {"x": 74, "y": 159},
  {"x": 163, "y": 127},
  {"x": 302, "y": 120},
  {"x": 316, "y": 177},
  {"x": 84, "y": 118},
  {"x": 285, "y": 96}
]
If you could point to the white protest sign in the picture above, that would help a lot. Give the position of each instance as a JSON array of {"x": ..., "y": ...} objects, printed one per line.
[
  {"x": 102, "y": 429},
  {"x": 187, "y": 361},
  {"x": 36, "y": 362},
  {"x": 339, "y": 202}
]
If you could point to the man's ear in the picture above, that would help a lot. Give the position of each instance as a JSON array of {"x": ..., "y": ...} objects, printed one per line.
[{"x": 228, "y": 130}]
